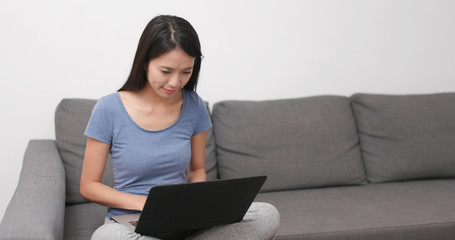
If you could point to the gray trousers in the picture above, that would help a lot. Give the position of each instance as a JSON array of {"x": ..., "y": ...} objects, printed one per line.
[{"x": 260, "y": 223}]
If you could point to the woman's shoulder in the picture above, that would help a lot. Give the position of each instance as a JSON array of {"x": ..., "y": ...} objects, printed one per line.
[
  {"x": 112, "y": 97},
  {"x": 192, "y": 96},
  {"x": 195, "y": 103},
  {"x": 108, "y": 102}
]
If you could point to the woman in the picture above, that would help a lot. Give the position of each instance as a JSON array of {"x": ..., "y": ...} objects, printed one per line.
[{"x": 155, "y": 127}]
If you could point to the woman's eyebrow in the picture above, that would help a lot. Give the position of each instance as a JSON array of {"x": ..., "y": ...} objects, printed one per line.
[{"x": 170, "y": 68}]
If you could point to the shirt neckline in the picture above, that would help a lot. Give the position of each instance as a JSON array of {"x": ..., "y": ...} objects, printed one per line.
[{"x": 154, "y": 131}]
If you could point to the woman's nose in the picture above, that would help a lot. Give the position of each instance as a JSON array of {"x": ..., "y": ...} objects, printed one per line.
[{"x": 174, "y": 81}]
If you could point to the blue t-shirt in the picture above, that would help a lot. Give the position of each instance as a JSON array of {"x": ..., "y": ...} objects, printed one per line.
[{"x": 142, "y": 158}]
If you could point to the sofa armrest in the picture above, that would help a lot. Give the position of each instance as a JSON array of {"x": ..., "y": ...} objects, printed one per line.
[{"x": 37, "y": 208}]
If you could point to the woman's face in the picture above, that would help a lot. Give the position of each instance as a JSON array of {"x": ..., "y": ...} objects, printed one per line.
[{"x": 170, "y": 72}]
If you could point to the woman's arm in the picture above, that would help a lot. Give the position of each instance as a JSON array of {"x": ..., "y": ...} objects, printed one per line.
[
  {"x": 196, "y": 171},
  {"x": 91, "y": 187}
]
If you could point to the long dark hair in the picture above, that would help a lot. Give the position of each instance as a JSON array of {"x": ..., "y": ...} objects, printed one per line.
[{"x": 162, "y": 34}]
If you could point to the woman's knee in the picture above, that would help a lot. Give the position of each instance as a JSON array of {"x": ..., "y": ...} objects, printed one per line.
[
  {"x": 266, "y": 219},
  {"x": 266, "y": 213}
]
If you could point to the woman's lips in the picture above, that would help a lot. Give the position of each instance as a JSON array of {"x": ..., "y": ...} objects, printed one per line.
[{"x": 168, "y": 91}]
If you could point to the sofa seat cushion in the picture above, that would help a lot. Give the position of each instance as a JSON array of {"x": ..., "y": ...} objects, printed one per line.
[
  {"x": 415, "y": 210},
  {"x": 81, "y": 220},
  {"x": 405, "y": 137},
  {"x": 297, "y": 143}
]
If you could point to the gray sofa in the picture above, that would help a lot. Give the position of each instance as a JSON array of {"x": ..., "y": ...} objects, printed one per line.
[{"x": 360, "y": 167}]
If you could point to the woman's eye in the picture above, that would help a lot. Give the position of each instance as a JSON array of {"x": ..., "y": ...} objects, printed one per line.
[
  {"x": 187, "y": 72},
  {"x": 165, "y": 72}
]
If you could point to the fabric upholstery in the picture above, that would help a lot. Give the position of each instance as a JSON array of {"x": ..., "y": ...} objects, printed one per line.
[
  {"x": 71, "y": 119},
  {"x": 309, "y": 143},
  {"x": 38, "y": 204},
  {"x": 406, "y": 137},
  {"x": 210, "y": 153},
  {"x": 81, "y": 220},
  {"x": 210, "y": 156},
  {"x": 297, "y": 143},
  {"x": 418, "y": 210}
]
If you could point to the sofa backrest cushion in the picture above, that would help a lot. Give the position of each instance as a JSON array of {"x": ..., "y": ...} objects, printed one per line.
[
  {"x": 406, "y": 137},
  {"x": 297, "y": 143},
  {"x": 71, "y": 118},
  {"x": 210, "y": 163}
]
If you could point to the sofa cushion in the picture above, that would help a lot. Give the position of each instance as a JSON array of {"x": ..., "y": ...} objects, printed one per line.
[
  {"x": 71, "y": 118},
  {"x": 414, "y": 210},
  {"x": 210, "y": 156},
  {"x": 297, "y": 143},
  {"x": 81, "y": 220},
  {"x": 405, "y": 137}
]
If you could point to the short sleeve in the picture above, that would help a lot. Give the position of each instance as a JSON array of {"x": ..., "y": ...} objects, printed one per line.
[
  {"x": 99, "y": 126},
  {"x": 203, "y": 119}
]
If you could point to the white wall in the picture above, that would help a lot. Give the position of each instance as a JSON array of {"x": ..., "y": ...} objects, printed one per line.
[{"x": 54, "y": 49}]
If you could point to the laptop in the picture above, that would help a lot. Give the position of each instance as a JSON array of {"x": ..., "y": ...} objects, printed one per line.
[{"x": 180, "y": 210}]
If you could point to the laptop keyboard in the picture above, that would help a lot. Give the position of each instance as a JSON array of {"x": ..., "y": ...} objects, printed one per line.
[{"x": 134, "y": 223}]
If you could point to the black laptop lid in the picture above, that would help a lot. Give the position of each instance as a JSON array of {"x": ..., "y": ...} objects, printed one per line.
[{"x": 174, "y": 208}]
